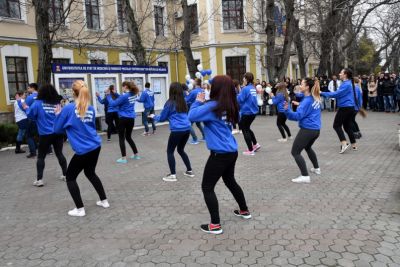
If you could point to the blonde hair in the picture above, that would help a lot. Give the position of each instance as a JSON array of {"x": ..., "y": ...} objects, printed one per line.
[
  {"x": 315, "y": 88},
  {"x": 282, "y": 88},
  {"x": 81, "y": 93}
]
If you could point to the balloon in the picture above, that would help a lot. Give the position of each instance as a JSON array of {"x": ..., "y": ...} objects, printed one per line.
[
  {"x": 259, "y": 88},
  {"x": 187, "y": 77},
  {"x": 199, "y": 67},
  {"x": 191, "y": 81},
  {"x": 187, "y": 82},
  {"x": 210, "y": 81},
  {"x": 190, "y": 86},
  {"x": 209, "y": 72},
  {"x": 206, "y": 81},
  {"x": 203, "y": 72},
  {"x": 268, "y": 90},
  {"x": 198, "y": 75}
]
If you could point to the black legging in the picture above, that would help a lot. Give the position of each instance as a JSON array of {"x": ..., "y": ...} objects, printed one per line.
[
  {"x": 281, "y": 123},
  {"x": 178, "y": 140},
  {"x": 356, "y": 129},
  {"x": 221, "y": 165},
  {"x": 249, "y": 137},
  {"x": 45, "y": 141},
  {"x": 304, "y": 140},
  {"x": 86, "y": 162},
  {"x": 344, "y": 117},
  {"x": 111, "y": 117},
  {"x": 125, "y": 132}
]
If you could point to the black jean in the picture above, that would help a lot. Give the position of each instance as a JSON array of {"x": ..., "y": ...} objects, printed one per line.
[
  {"x": 178, "y": 140},
  {"x": 344, "y": 117},
  {"x": 249, "y": 137},
  {"x": 31, "y": 132},
  {"x": 356, "y": 129},
  {"x": 281, "y": 123},
  {"x": 45, "y": 141},
  {"x": 217, "y": 166},
  {"x": 304, "y": 140},
  {"x": 365, "y": 98},
  {"x": 86, "y": 162},
  {"x": 125, "y": 132},
  {"x": 111, "y": 118}
]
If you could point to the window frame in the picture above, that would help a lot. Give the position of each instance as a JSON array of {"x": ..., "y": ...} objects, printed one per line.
[
  {"x": 89, "y": 10},
  {"x": 121, "y": 20},
  {"x": 8, "y": 6},
  {"x": 230, "y": 29},
  {"x": 53, "y": 12},
  {"x": 240, "y": 67},
  {"x": 194, "y": 19},
  {"x": 157, "y": 23},
  {"x": 17, "y": 82}
]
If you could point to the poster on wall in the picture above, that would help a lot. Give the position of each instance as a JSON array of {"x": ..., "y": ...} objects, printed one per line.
[
  {"x": 159, "y": 87},
  {"x": 100, "y": 85},
  {"x": 64, "y": 86}
]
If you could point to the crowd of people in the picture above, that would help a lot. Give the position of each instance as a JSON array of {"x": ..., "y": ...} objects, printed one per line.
[{"x": 220, "y": 109}]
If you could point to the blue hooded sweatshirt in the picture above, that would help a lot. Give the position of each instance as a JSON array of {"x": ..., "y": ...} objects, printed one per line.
[
  {"x": 308, "y": 114},
  {"x": 359, "y": 98},
  {"x": 81, "y": 133},
  {"x": 247, "y": 99},
  {"x": 279, "y": 101},
  {"x": 178, "y": 122},
  {"x": 125, "y": 104},
  {"x": 344, "y": 95},
  {"x": 191, "y": 97},
  {"x": 217, "y": 131},
  {"x": 107, "y": 107},
  {"x": 44, "y": 116},
  {"x": 147, "y": 98}
]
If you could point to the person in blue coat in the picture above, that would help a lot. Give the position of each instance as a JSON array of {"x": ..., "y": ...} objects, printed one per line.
[
  {"x": 147, "y": 98},
  {"x": 42, "y": 112},
  {"x": 111, "y": 112},
  {"x": 344, "y": 116},
  {"x": 218, "y": 114},
  {"x": 126, "y": 112},
  {"x": 190, "y": 99},
  {"x": 357, "y": 107},
  {"x": 281, "y": 97},
  {"x": 78, "y": 120},
  {"x": 175, "y": 111},
  {"x": 308, "y": 114},
  {"x": 247, "y": 99}
]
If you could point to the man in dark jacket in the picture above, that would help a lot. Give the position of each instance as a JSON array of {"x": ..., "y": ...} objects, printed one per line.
[
  {"x": 364, "y": 87},
  {"x": 388, "y": 91},
  {"x": 381, "y": 105}
]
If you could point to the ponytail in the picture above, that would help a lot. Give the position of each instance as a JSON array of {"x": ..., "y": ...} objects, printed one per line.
[
  {"x": 81, "y": 93},
  {"x": 316, "y": 91}
]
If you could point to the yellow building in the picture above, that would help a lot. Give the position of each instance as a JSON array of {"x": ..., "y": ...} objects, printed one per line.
[{"x": 227, "y": 38}]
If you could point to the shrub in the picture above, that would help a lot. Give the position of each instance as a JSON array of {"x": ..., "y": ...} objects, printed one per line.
[{"x": 8, "y": 133}]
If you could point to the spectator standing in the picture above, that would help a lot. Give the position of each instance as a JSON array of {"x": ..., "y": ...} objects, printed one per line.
[
  {"x": 364, "y": 87},
  {"x": 372, "y": 92}
]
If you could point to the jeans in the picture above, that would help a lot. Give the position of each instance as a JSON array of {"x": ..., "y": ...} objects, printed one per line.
[
  {"x": 249, "y": 137},
  {"x": 111, "y": 118},
  {"x": 45, "y": 141},
  {"x": 281, "y": 123},
  {"x": 145, "y": 120},
  {"x": 344, "y": 117},
  {"x": 31, "y": 132},
  {"x": 326, "y": 103},
  {"x": 221, "y": 165},
  {"x": 389, "y": 105},
  {"x": 125, "y": 132},
  {"x": 372, "y": 102},
  {"x": 86, "y": 162},
  {"x": 304, "y": 140},
  {"x": 193, "y": 133},
  {"x": 178, "y": 140},
  {"x": 365, "y": 99},
  {"x": 22, "y": 124}
]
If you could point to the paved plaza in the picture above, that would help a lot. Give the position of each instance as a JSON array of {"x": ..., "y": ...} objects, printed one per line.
[{"x": 348, "y": 216}]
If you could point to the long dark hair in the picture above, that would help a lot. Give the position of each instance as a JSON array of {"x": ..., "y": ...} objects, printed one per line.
[
  {"x": 223, "y": 91},
  {"x": 131, "y": 86},
  {"x": 48, "y": 94},
  {"x": 176, "y": 97},
  {"x": 111, "y": 89}
]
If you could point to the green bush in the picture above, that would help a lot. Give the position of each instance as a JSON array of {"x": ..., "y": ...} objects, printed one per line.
[{"x": 8, "y": 133}]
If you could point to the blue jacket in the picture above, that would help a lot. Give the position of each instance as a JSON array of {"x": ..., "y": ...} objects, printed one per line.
[
  {"x": 359, "y": 98},
  {"x": 279, "y": 101},
  {"x": 191, "y": 97},
  {"x": 217, "y": 131},
  {"x": 147, "y": 98},
  {"x": 178, "y": 122},
  {"x": 125, "y": 104},
  {"x": 107, "y": 107},
  {"x": 247, "y": 99},
  {"x": 344, "y": 95},
  {"x": 28, "y": 101},
  {"x": 44, "y": 116},
  {"x": 81, "y": 133},
  {"x": 308, "y": 114}
]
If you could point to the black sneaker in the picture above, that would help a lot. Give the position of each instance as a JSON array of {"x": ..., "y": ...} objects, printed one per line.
[
  {"x": 189, "y": 173},
  {"x": 19, "y": 151},
  {"x": 30, "y": 156},
  {"x": 211, "y": 229},
  {"x": 243, "y": 214}
]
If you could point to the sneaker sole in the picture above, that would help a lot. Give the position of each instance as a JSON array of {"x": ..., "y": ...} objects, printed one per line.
[
  {"x": 249, "y": 155},
  {"x": 74, "y": 215},
  {"x": 243, "y": 216},
  {"x": 258, "y": 148},
  {"x": 102, "y": 206},
  {"x": 341, "y": 152},
  {"x": 302, "y": 182},
  {"x": 212, "y": 232},
  {"x": 189, "y": 175},
  {"x": 169, "y": 180}
]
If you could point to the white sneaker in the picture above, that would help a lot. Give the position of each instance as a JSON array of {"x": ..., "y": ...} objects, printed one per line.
[
  {"x": 77, "y": 212},
  {"x": 282, "y": 140},
  {"x": 301, "y": 179},
  {"x": 103, "y": 203},
  {"x": 63, "y": 178},
  {"x": 235, "y": 132},
  {"x": 290, "y": 137},
  {"x": 343, "y": 148},
  {"x": 38, "y": 183},
  {"x": 316, "y": 170},
  {"x": 170, "y": 178}
]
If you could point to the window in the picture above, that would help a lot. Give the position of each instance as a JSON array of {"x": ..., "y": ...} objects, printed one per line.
[
  {"x": 232, "y": 13},
  {"x": 97, "y": 61},
  {"x": 235, "y": 67},
  {"x": 163, "y": 64},
  {"x": 128, "y": 62},
  {"x": 122, "y": 25},
  {"x": 194, "y": 21},
  {"x": 17, "y": 75},
  {"x": 92, "y": 14},
  {"x": 61, "y": 60},
  {"x": 10, "y": 9},
  {"x": 159, "y": 20},
  {"x": 56, "y": 13}
]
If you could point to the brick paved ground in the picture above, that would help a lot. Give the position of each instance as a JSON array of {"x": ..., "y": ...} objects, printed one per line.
[{"x": 348, "y": 216}]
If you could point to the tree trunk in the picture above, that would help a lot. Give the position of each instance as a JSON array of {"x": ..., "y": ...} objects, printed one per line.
[
  {"x": 270, "y": 30},
  {"x": 43, "y": 40},
  {"x": 186, "y": 40},
  {"x": 300, "y": 49},
  {"x": 337, "y": 61},
  {"x": 287, "y": 45},
  {"x": 138, "y": 50}
]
